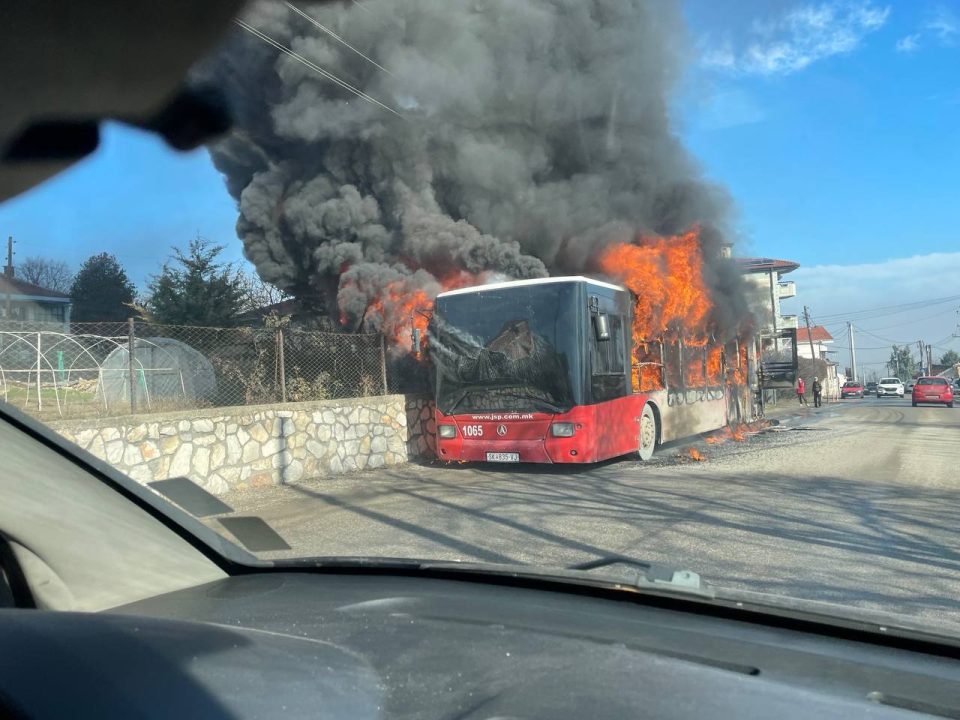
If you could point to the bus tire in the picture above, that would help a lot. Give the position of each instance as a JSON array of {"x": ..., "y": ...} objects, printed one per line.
[{"x": 649, "y": 432}]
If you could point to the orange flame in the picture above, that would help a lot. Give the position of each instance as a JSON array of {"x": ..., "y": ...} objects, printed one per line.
[
  {"x": 400, "y": 309},
  {"x": 695, "y": 454},
  {"x": 715, "y": 365},
  {"x": 665, "y": 273},
  {"x": 740, "y": 372},
  {"x": 737, "y": 432},
  {"x": 673, "y": 303}
]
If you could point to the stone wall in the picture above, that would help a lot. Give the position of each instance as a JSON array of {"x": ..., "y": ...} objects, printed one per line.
[
  {"x": 421, "y": 428},
  {"x": 237, "y": 447}
]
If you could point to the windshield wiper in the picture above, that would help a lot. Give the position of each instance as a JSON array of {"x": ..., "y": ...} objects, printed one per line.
[
  {"x": 641, "y": 572},
  {"x": 457, "y": 402},
  {"x": 654, "y": 578},
  {"x": 547, "y": 405}
]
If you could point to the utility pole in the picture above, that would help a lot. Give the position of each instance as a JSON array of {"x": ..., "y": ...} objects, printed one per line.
[
  {"x": 929, "y": 360},
  {"x": 806, "y": 319},
  {"x": 920, "y": 346},
  {"x": 8, "y": 273},
  {"x": 853, "y": 350}
]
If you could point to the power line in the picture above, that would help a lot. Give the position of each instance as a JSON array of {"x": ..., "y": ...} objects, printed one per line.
[
  {"x": 896, "y": 309},
  {"x": 884, "y": 339},
  {"x": 944, "y": 339},
  {"x": 336, "y": 37},
  {"x": 859, "y": 347},
  {"x": 313, "y": 66},
  {"x": 911, "y": 322}
]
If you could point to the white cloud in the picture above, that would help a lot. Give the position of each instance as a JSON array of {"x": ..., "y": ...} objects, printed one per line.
[
  {"x": 940, "y": 24},
  {"x": 719, "y": 57},
  {"x": 730, "y": 108},
  {"x": 908, "y": 43},
  {"x": 944, "y": 24},
  {"x": 835, "y": 293},
  {"x": 801, "y": 37}
]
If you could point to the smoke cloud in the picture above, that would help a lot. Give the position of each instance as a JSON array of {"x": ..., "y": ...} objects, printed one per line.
[{"x": 531, "y": 135}]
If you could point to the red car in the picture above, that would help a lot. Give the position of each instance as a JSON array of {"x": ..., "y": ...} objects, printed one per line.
[
  {"x": 851, "y": 389},
  {"x": 933, "y": 390}
]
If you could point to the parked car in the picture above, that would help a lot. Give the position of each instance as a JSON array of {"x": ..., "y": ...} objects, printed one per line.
[
  {"x": 890, "y": 386},
  {"x": 933, "y": 390},
  {"x": 871, "y": 387},
  {"x": 851, "y": 389},
  {"x": 910, "y": 385}
]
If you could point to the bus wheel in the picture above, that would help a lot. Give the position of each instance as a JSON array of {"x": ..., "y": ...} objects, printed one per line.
[{"x": 648, "y": 433}]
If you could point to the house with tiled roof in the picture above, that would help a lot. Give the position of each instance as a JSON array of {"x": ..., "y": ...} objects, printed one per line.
[
  {"x": 24, "y": 304},
  {"x": 819, "y": 338}
]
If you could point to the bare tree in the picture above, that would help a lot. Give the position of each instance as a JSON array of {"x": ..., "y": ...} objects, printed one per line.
[
  {"x": 47, "y": 273},
  {"x": 259, "y": 293}
]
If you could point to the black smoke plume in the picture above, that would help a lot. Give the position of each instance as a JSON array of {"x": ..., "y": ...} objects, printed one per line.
[{"x": 530, "y": 134}]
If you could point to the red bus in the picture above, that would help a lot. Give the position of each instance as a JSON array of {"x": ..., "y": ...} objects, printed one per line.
[{"x": 542, "y": 371}]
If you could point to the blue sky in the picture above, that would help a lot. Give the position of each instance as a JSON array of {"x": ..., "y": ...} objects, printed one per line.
[
  {"x": 836, "y": 146},
  {"x": 134, "y": 198},
  {"x": 834, "y": 124}
]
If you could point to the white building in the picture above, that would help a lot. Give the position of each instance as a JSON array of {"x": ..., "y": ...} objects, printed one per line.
[{"x": 766, "y": 288}]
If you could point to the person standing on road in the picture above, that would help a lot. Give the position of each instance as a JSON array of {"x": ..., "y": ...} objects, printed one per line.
[
  {"x": 817, "y": 392},
  {"x": 801, "y": 389}
]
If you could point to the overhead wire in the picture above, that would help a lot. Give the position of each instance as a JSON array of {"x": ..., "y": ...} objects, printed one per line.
[
  {"x": 313, "y": 66},
  {"x": 894, "y": 309},
  {"x": 859, "y": 347},
  {"x": 885, "y": 339},
  {"x": 910, "y": 322},
  {"x": 334, "y": 35},
  {"x": 944, "y": 339}
]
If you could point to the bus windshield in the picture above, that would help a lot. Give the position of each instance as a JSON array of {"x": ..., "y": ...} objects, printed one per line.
[{"x": 511, "y": 349}]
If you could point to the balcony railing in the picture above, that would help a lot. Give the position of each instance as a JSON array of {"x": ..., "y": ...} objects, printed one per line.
[{"x": 788, "y": 289}]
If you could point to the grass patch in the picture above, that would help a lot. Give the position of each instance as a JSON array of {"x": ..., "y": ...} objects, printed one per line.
[{"x": 21, "y": 394}]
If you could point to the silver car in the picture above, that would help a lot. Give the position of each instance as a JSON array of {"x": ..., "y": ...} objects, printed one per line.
[{"x": 890, "y": 386}]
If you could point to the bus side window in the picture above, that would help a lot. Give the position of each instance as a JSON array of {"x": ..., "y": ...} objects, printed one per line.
[{"x": 608, "y": 376}]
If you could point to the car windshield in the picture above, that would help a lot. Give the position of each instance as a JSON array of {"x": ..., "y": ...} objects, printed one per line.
[{"x": 534, "y": 283}]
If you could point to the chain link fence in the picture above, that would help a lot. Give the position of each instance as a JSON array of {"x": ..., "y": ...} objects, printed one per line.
[{"x": 90, "y": 370}]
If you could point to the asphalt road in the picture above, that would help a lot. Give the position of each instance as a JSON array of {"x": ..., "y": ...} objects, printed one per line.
[{"x": 856, "y": 503}]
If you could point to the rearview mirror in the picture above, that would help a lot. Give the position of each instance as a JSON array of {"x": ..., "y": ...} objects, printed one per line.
[{"x": 601, "y": 324}]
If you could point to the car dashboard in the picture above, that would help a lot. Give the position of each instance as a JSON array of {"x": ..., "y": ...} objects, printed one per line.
[{"x": 349, "y": 645}]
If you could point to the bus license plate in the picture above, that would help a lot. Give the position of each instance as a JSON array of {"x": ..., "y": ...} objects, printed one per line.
[{"x": 503, "y": 457}]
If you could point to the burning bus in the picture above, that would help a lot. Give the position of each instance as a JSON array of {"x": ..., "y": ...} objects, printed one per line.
[{"x": 549, "y": 370}]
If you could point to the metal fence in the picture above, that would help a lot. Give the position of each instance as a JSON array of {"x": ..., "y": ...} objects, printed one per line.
[{"x": 91, "y": 371}]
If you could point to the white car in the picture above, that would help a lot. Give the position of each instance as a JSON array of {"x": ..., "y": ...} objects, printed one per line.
[{"x": 890, "y": 386}]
